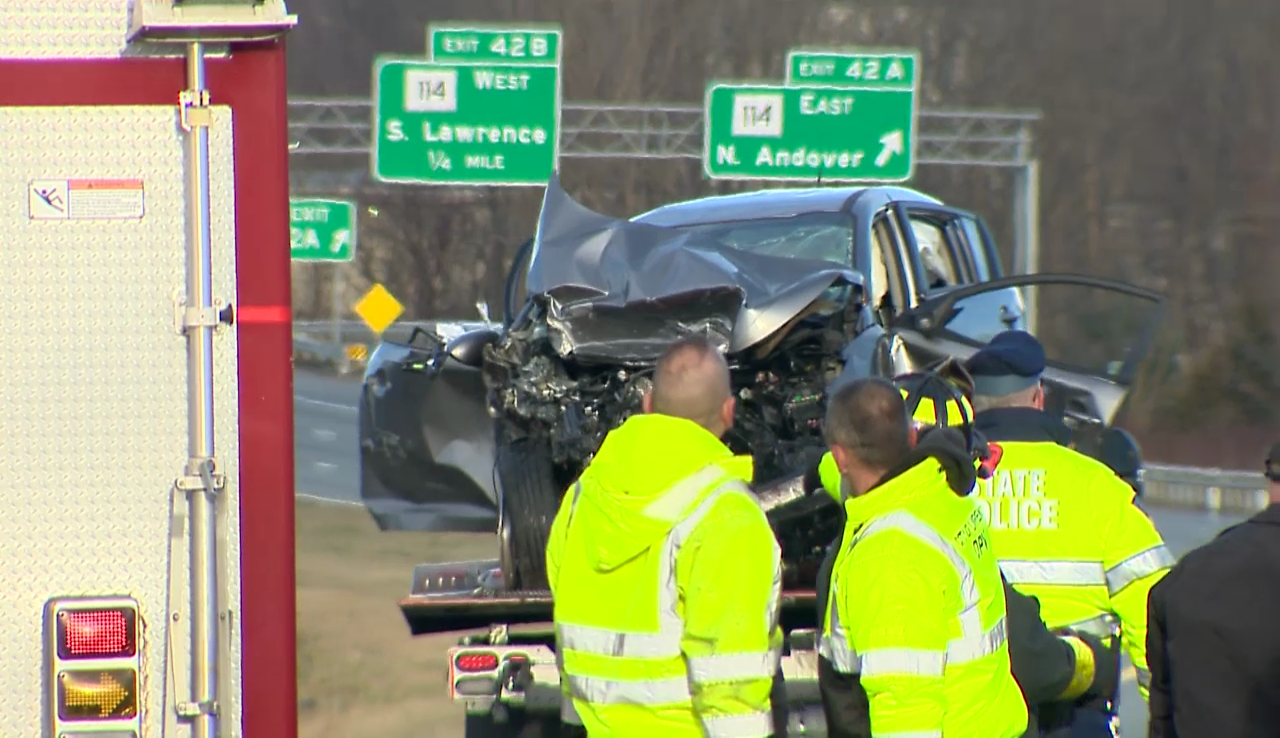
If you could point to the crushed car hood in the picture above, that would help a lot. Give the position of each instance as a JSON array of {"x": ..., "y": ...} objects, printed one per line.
[{"x": 619, "y": 289}]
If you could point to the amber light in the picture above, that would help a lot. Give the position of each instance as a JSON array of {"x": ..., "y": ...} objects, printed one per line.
[
  {"x": 476, "y": 661},
  {"x": 97, "y": 694},
  {"x": 99, "y": 633}
]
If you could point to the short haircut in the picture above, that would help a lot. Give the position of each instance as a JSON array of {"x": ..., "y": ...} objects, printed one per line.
[
  {"x": 1021, "y": 398},
  {"x": 868, "y": 418},
  {"x": 691, "y": 381}
]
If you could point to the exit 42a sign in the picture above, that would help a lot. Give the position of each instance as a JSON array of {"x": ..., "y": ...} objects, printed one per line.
[
  {"x": 843, "y": 115},
  {"x": 810, "y": 132},
  {"x": 322, "y": 230}
]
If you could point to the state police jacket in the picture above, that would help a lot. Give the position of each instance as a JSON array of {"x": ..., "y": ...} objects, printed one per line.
[
  {"x": 1213, "y": 645},
  {"x": 1042, "y": 663}
]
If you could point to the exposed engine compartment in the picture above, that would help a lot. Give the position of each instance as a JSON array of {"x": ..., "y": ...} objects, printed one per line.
[
  {"x": 780, "y": 388},
  {"x": 780, "y": 397}
]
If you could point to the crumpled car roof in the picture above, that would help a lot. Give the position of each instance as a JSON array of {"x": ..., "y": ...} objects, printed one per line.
[{"x": 590, "y": 263}]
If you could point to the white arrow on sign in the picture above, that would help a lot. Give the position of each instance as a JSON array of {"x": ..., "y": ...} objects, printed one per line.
[
  {"x": 890, "y": 143},
  {"x": 341, "y": 239}
]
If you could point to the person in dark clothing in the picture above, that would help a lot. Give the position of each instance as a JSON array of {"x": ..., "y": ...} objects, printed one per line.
[
  {"x": 1212, "y": 643},
  {"x": 1048, "y": 667}
]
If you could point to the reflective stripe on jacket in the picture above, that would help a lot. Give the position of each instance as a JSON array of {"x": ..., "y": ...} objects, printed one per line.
[
  {"x": 917, "y": 610},
  {"x": 1049, "y": 668},
  {"x": 1066, "y": 531},
  {"x": 666, "y": 579}
]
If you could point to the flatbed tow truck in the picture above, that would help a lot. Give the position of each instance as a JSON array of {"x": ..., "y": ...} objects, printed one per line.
[
  {"x": 148, "y": 574},
  {"x": 504, "y": 673}
]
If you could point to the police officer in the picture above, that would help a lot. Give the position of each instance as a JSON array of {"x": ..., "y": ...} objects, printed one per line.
[
  {"x": 1049, "y": 668},
  {"x": 665, "y": 573},
  {"x": 1063, "y": 525},
  {"x": 1213, "y": 644},
  {"x": 913, "y": 637}
]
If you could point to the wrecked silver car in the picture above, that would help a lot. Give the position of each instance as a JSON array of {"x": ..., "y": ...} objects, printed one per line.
[{"x": 803, "y": 289}]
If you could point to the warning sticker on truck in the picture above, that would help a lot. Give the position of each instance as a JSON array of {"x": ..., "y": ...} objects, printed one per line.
[{"x": 85, "y": 199}]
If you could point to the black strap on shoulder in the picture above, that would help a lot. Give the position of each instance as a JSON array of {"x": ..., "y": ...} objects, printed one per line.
[{"x": 927, "y": 384}]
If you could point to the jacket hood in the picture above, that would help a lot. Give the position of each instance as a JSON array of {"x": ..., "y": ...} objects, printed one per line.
[
  {"x": 636, "y": 464},
  {"x": 946, "y": 446},
  {"x": 937, "y": 453}
]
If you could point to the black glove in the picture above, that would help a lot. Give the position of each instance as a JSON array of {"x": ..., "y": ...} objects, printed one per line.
[
  {"x": 1106, "y": 666},
  {"x": 812, "y": 479}
]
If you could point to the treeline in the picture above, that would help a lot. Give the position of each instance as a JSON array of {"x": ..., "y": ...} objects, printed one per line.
[{"x": 1159, "y": 151}]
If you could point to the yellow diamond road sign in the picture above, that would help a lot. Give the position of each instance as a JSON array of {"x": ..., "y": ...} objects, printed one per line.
[
  {"x": 378, "y": 309},
  {"x": 357, "y": 351}
]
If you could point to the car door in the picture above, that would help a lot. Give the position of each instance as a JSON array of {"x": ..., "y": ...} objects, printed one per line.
[
  {"x": 956, "y": 243},
  {"x": 1096, "y": 332},
  {"x": 947, "y": 248},
  {"x": 889, "y": 285}
]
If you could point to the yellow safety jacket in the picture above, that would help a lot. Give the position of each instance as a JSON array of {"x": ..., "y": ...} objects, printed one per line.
[
  {"x": 1067, "y": 532},
  {"x": 667, "y": 582},
  {"x": 916, "y": 609}
]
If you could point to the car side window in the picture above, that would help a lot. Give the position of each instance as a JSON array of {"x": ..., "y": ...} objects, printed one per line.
[
  {"x": 888, "y": 291},
  {"x": 937, "y": 265},
  {"x": 984, "y": 270}
]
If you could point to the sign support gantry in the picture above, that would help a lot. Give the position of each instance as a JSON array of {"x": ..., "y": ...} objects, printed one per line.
[
  {"x": 333, "y": 134},
  {"x": 340, "y": 127}
]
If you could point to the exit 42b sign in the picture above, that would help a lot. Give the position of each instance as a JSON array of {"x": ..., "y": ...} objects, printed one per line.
[{"x": 322, "y": 230}]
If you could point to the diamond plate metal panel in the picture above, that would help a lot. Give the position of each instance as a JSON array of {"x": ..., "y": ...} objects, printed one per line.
[
  {"x": 93, "y": 382},
  {"x": 70, "y": 29},
  {"x": 63, "y": 28}
]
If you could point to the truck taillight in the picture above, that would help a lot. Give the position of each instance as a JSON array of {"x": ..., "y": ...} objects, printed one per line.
[
  {"x": 94, "y": 667},
  {"x": 476, "y": 661},
  {"x": 86, "y": 634}
]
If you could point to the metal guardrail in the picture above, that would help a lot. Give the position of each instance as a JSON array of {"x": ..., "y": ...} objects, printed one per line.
[
  {"x": 314, "y": 341},
  {"x": 1225, "y": 490}
]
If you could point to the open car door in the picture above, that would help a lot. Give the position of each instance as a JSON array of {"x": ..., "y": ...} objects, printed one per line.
[{"x": 1095, "y": 332}]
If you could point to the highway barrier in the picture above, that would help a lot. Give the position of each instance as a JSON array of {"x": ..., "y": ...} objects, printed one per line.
[
  {"x": 344, "y": 347},
  {"x": 1226, "y": 490}
]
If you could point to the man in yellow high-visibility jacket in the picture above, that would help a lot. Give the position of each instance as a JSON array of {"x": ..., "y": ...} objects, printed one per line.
[
  {"x": 1050, "y": 668},
  {"x": 915, "y": 616},
  {"x": 665, "y": 573},
  {"x": 1063, "y": 525}
]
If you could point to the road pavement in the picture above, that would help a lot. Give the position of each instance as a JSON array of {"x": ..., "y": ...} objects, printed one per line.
[
  {"x": 325, "y": 439},
  {"x": 327, "y": 467}
]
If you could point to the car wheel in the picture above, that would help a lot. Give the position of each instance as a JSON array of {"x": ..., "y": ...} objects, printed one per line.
[
  {"x": 520, "y": 724},
  {"x": 530, "y": 499}
]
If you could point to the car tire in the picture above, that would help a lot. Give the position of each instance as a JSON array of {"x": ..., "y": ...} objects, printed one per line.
[
  {"x": 519, "y": 724},
  {"x": 530, "y": 499}
]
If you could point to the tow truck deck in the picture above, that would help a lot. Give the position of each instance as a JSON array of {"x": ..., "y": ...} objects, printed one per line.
[{"x": 507, "y": 663}]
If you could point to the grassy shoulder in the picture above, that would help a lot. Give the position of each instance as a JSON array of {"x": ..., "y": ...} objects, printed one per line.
[{"x": 360, "y": 673}]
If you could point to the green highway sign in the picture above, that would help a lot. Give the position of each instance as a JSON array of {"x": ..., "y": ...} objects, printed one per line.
[
  {"x": 469, "y": 123},
  {"x": 809, "y": 132},
  {"x": 866, "y": 68},
  {"x": 322, "y": 230},
  {"x": 478, "y": 42}
]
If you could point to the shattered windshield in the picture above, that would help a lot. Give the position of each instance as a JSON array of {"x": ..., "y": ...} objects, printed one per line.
[{"x": 823, "y": 236}]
